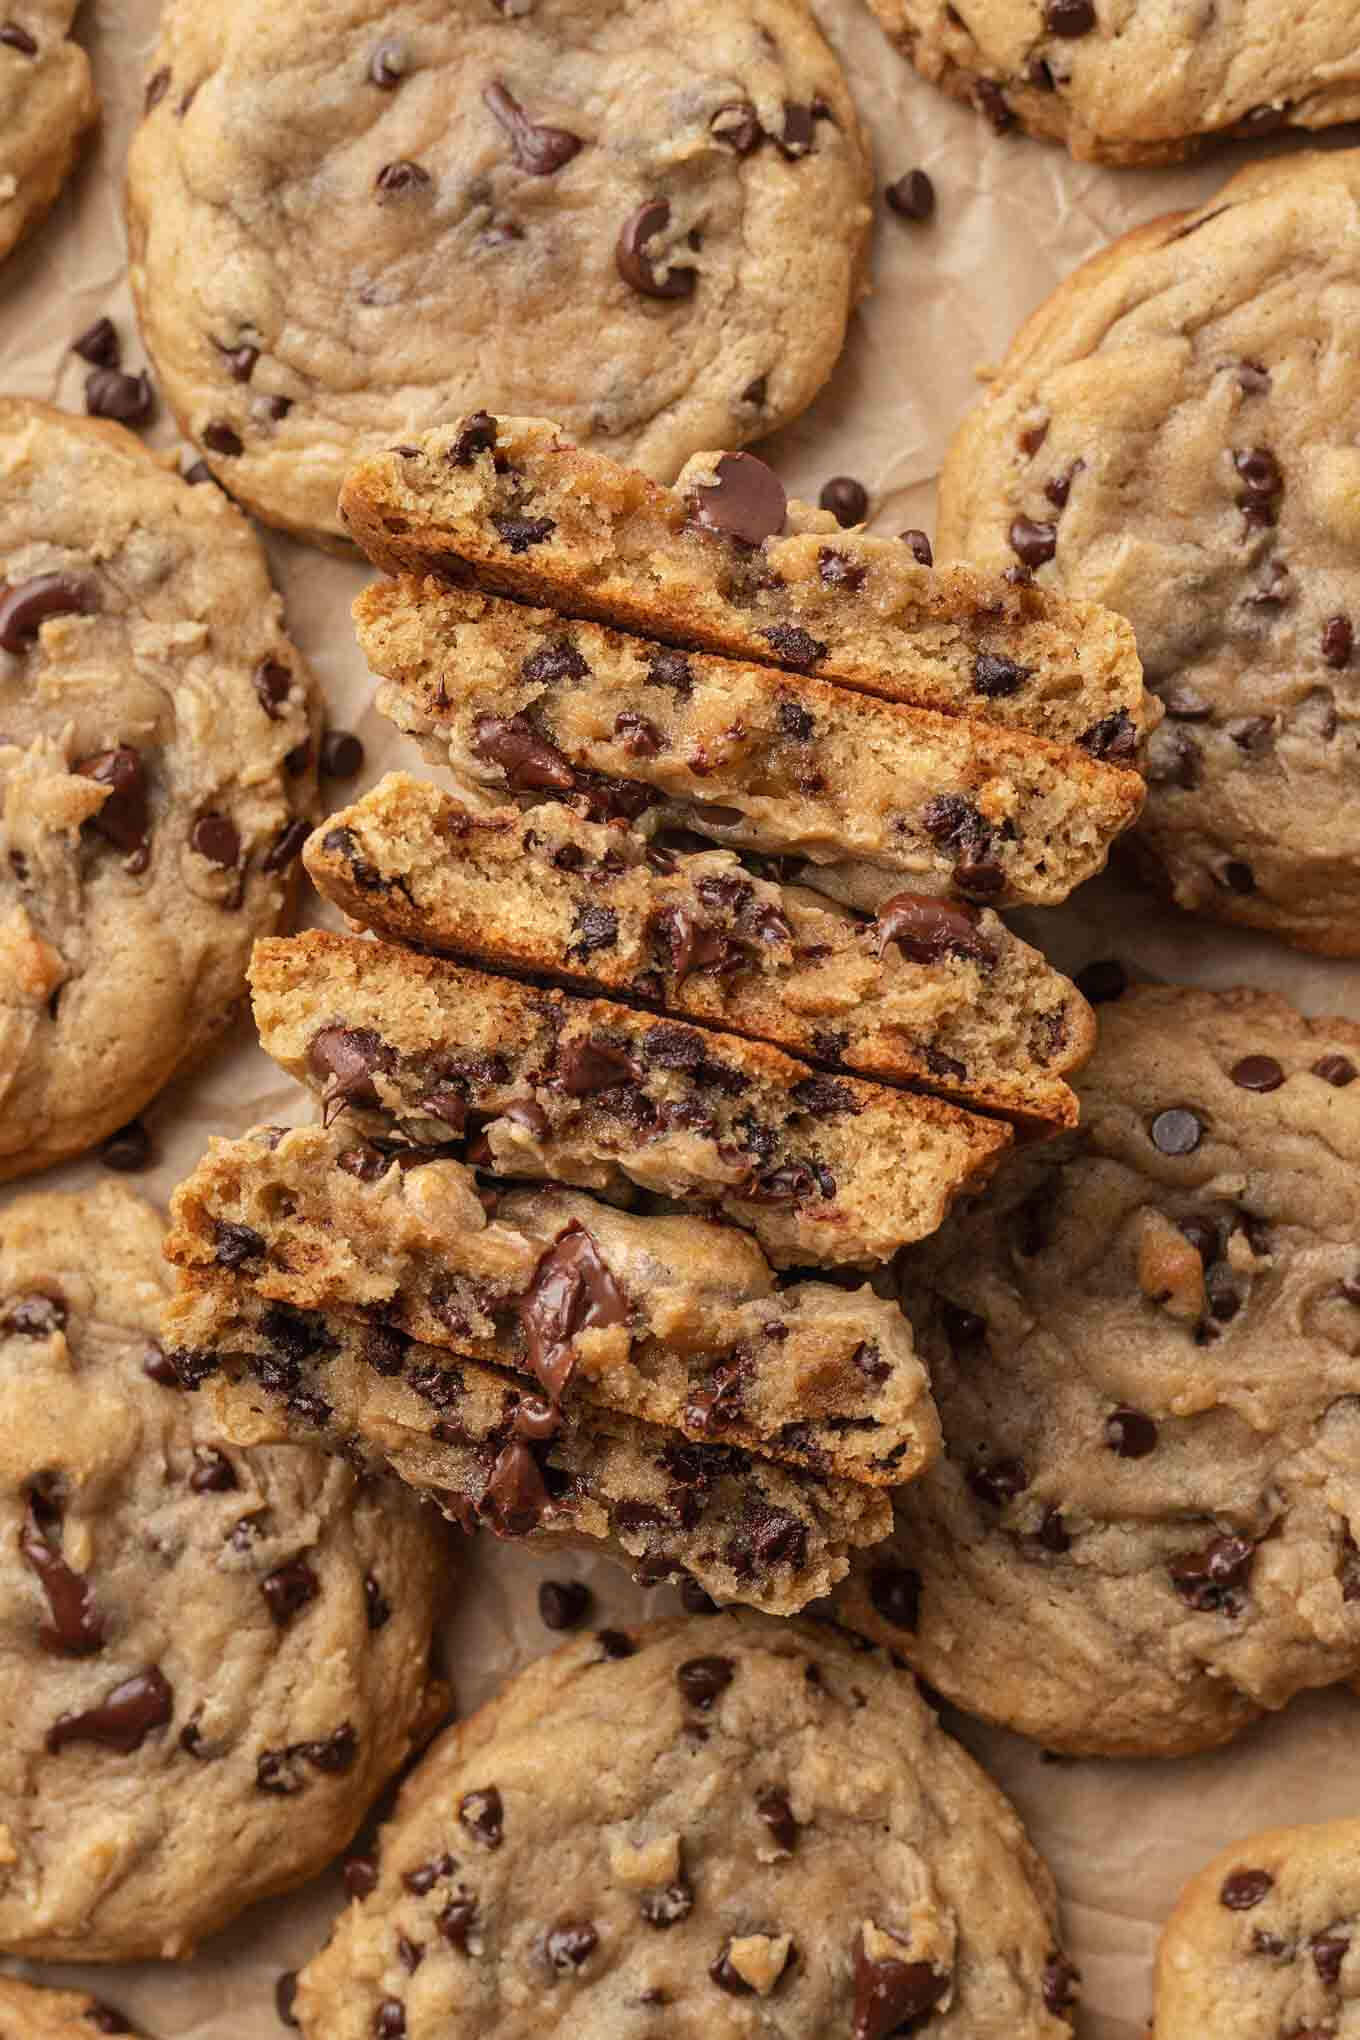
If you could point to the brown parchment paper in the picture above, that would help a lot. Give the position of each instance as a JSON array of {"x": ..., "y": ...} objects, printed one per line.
[{"x": 1014, "y": 217}]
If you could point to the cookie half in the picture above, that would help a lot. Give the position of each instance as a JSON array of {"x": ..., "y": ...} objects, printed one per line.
[
  {"x": 932, "y": 993},
  {"x": 30, "y": 2013},
  {"x": 156, "y": 775},
  {"x": 47, "y": 102},
  {"x": 342, "y": 231},
  {"x": 1145, "y": 1347},
  {"x": 1264, "y": 1940},
  {"x": 1135, "y": 85},
  {"x": 783, "y": 1841},
  {"x": 1171, "y": 434},
  {"x": 211, "y": 1659}
]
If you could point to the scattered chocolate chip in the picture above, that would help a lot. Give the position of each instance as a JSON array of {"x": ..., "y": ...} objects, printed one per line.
[
  {"x": 1338, "y": 640},
  {"x": 236, "y": 1244},
  {"x": 1243, "y": 1889},
  {"x": 99, "y": 344},
  {"x": 288, "y": 1589},
  {"x": 991, "y": 101},
  {"x": 538, "y": 150},
  {"x": 1114, "y": 738},
  {"x": 127, "y": 1150},
  {"x": 527, "y": 760},
  {"x": 26, "y": 606},
  {"x": 911, "y": 196},
  {"x": 634, "y": 263},
  {"x": 273, "y": 683},
  {"x": 1102, "y": 981},
  {"x": 701, "y": 1680},
  {"x": 360, "y": 1876},
  {"x": 76, "y": 1628},
  {"x": 387, "y": 64},
  {"x": 998, "y": 1481},
  {"x": 109, "y": 393},
  {"x": 563, "y": 1603},
  {"x": 1069, "y": 17},
  {"x": 34, "y": 1317},
  {"x": 1329, "y": 1951},
  {"x": 846, "y": 499},
  {"x": 483, "y": 1815},
  {"x": 215, "y": 837},
  {"x": 668, "y": 1904},
  {"x": 122, "y": 1721},
  {"x": 572, "y": 1289},
  {"x": 927, "y": 930},
  {"x": 994, "y": 676},
  {"x": 342, "y": 755},
  {"x": 389, "y": 2021},
  {"x": 737, "y": 126},
  {"x": 746, "y": 501},
  {"x": 285, "y": 1992},
  {"x": 774, "y": 1809},
  {"x": 1338, "y": 1070},
  {"x": 1033, "y": 542},
  {"x": 615, "y": 1643},
  {"x": 793, "y": 646},
  {"x": 213, "y": 1472},
  {"x": 1130, "y": 1434},
  {"x": 918, "y": 545},
  {"x": 569, "y": 1945},
  {"x": 890, "y": 1996},
  {"x": 1210, "y": 1580},
  {"x": 1257, "y": 1073},
  {"x": 220, "y": 436},
  {"x": 1177, "y": 1131},
  {"x": 399, "y": 179}
]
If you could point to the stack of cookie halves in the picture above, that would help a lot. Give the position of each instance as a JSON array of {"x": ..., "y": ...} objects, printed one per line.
[{"x": 560, "y": 1259}]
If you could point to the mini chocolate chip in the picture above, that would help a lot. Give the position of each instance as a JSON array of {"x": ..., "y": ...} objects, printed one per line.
[
  {"x": 994, "y": 675},
  {"x": 288, "y": 1589},
  {"x": 342, "y": 755},
  {"x": 918, "y": 545},
  {"x": 285, "y": 1991},
  {"x": 99, "y": 344},
  {"x": 1257, "y": 1073},
  {"x": 1243, "y": 1889},
  {"x": 26, "y": 606},
  {"x": 127, "y": 1150},
  {"x": 215, "y": 837},
  {"x": 846, "y": 499},
  {"x": 1069, "y": 17},
  {"x": 1131, "y": 1434},
  {"x": 569, "y": 1945},
  {"x": 16, "y": 38},
  {"x": 1033, "y": 542},
  {"x": 701, "y": 1680},
  {"x": 483, "y": 1815},
  {"x": 911, "y": 196},
  {"x": 1338, "y": 640},
  {"x": 563, "y": 1603},
  {"x": 1338, "y": 1070},
  {"x": 1102, "y": 981},
  {"x": 1177, "y": 1131},
  {"x": 746, "y": 501},
  {"x": 634, "y": 263}
]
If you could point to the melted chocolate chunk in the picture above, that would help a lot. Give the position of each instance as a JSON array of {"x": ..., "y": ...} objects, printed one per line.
[
  {"x": 516, "y": 1496},
  {"x": 746, "y": 501},
  {"x": 528, "y": 761},
  {"x": 346, "y": 1058},
  {"x": 1034, "y": 543},
  {"x": 538, "y": 150},
  {"x": 590, "y": 1063},
  {"x": 76, "y": 1628},
  {"x": 928, "y": 930},
  {"x": 1212, "y": 1581},
  {"x": 123, "y": 1720},
  {"x": 1113, "y": 738},
  {"x": 124, "y": 819},
  {"x": 891, "y": 1996},
  {"x": 483, "y": 1815},
  {"x": 572, "y": 1289},
  {"x": 794, "y": 647},
  {"x": 522, "y": 533},
  {"x": 774, "y": 1809},
  {"x": 637, "y": 267},
  {"x": 234, "y": 1245},
  {"x": 701, "y": 1680},
  {"x": 288, "y": 1589},
  {"x": 995, "y": 676}
]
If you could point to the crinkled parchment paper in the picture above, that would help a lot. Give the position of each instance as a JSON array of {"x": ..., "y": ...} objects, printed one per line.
[{"x": 1014, "y": 217}]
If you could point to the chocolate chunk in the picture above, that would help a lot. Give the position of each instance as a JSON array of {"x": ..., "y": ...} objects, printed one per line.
[
  {"x": 389, "y": 2021},
  {"x": 726, "y": 1977},
  {"x": 346, "y": 1057},
  {"x": 477, "y": 434},
  {"x": 1131, "y": 1434},
  {"x": 824, "y": 1097},
  {"x": 16, "y": 38},
  {"x": 693, "y": 944},
  {"x": 458, "y": 1920},
  {"x": 1237, "y": 876},
  {"x": 563, "y": 1603},
  {"x": 516, "y": 1496},
  {"x": 157, "y": 1366},
  {"x": 99, "y": 344},
  {"x": 774, "y": 1809},
  {"x": 635, "y": 265},
  {"x": 1338, "y": 640},
  {"x": 737, "y": 126},
  {"x": 1069, "y": 17},
  {"x": 26, "y": 606},
  {"x": 911, "y": 196},
  {"x": 669, "y": 668},
  {"x": 1329, "y": 1951},
  {"x": 998, "y": 1481},
  {"x": 796, "y": 136},
  {"x": 1243, "y": 1889},
  {"x": 572, "y": 1289},
  {"x": 521, "y": 533},
  {"x": 794, "y": 647},
  {"x": 1210, "y": 1580},
  {"x": 846, "y": 499},
  {"x": 615, "y": 1643},
  {"x": 1338, "y": 1070},
  {"x": 76, "y": 1628},
  {"x": 589, "y": 1063},
  {"x": 215, "y": 837},
  {"x": 109, "y": 393},
  {"x": 1052, "y": 1532},
  {"x": 927, "y": 930},
  {"x": 701, "y": 1680},
  {"x": 838, "y": 570},
  {"x": 1113, "y": 738},
  {"x": 569, "y": 1945},
  {"x": 994, "y": 675},
  {"x": 220, "y": 436},
  {"x": 288, "y": 1589},
  {"x": 1257, "y": 1073},
  {"x": 234, "y": 1245},
  {"x": 918, "y": 545},
  {"x": 483, "y": 1815},
  {"x": 746, "y": 502},
  {"x": 1259, "y": 473},
  {"x": 123, "y": 1720},
  {"x": 1177, "y": 1131},
  {"x": 540, "y": 151},
  {"x": 637, "y": 734},
  {"x": 524, "y": 1112},
  {"x": 360, "y": 1876},
  {"x": 342, "y": 755},
  {"x": 123, "y": 819},
  {"x": 1032, "y": 542},
  {"x": 527, "y": 759},
  {"x": 1060, "y": 1983},
  {"x": 273, "y": 683},
  {"x": 213, "y": 1472},
  {"x": 891, "y": 1996},
  {"x": 1102, "y": 981}
]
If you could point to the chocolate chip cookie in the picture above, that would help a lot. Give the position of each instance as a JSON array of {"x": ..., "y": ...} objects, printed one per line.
[
  {"x": 672, "y": 1319},
  {"x": 1145, "y": 1347},
  {"x": 524, "y": 701},
  {"x": 1265, "y": 1941},
  {"x": 492, "y": 1454},
  {"x": 47, "y": 101},
  {"x": 1135, "y": 85},
  {"x": 725, "y": 563},
  {"x": 210, "y": 1659},
  {"x": 933, "y": 992},
  {"x": 545, "y": 1084},
  {"x": 27, "y": 2013},
  {"x": 156, "y": 775},
  {"x": 640, "y": 216},
  {"x": 1172, "y": 435},
  {"x": 783, "y": 1843}
]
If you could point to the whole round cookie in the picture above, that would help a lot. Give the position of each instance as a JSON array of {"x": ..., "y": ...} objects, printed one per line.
[
  {"x": 702, "y": 1830},
  {"x": 1129, "y": 84},
  {"x": 156, "y": 775},
  {"x": 643, "y": 218},
  {"x": 1264, "y": 1944},
  {"x": 30, "y": 2013},
  {"x": 1173, "y": 435},
  {"x": 47, "y": 101},
  {"x": 1145, "y": 1347},
  {"x": 210, "y": 1659}
]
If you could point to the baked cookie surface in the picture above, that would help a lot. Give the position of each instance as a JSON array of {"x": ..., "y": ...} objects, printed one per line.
[
  {"x": 1145, "y": 1347},
  {"x": 1266, "y": 1940},
  {"x": 47, "y": 101},
  {"x": 645, "y": 217},
  {"x": 783, "y": 1843},
  {"x": 1172, "y": 434},
  {"x": 211, "y": 1659},
  {"x": 156, "y": 775},
  {"x": 1147, "y": 83}
]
